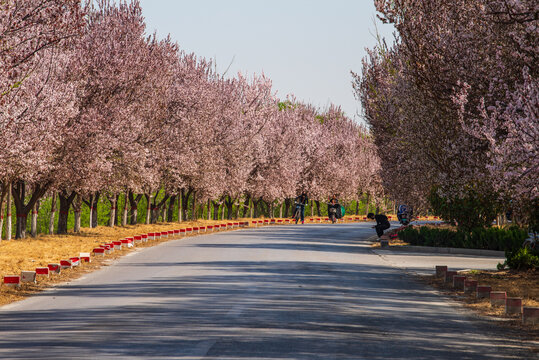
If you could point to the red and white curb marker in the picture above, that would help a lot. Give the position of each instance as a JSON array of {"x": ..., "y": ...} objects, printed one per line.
[
  {"x": 513, "y": 305},
  {"x": 530, "y": 315},
  {"x": 470, "y": 286},
  {"x": 210, "y": 227},
  {"x": 144, "y": 237},
  {"x": 75, "y": 261},
  {"x": 497, "y": 298},
  {"x": 483, "y": 291},
  {"x": 66, "y": 264},
  {"x": 85, "y": 257},
  {"x": 177, "y": 234},
  {"x": 99, "y": 251},
  {"x": 12, "y": 280},
  {"x": 54, "y": 268},
  {"x": 117, "y": 245},
  {"x": 449, "y": 276},
  {"x": 458, "y": 282},
  {"x": 137, "y": 239},
  {"x": 43, "y": 271},
  {"x": 28, "y": 277}
]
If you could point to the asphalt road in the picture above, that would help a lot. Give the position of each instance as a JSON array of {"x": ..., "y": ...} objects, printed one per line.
[{"x": 296, "y": 292}]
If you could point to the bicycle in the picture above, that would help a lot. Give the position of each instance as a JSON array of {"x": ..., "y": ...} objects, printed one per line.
[
  {"x": 531, "y": 243},
  {"x": 297, "y": 213}
]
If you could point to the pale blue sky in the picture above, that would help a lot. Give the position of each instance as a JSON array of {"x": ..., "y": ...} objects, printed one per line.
[{"x": 307, "y": 47}]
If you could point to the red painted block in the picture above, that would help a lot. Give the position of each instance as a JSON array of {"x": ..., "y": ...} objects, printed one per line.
[
  {"x": 530, "y": 315},
  {"x": 195, "y": 229},
  {"x": 171, "y": 233},
  {"x": 182, "y": 231},
  {"x": 189, "y": 230},
  {"x": 75, "y": 261},
  {"x": 137, "y": 237},
  {"x": 177, "y": 233},
  {"x": 42, "y": 271},
  {"x": 458, "y": 282},
  {"x": 272, "y": 221},
  {"x": 210, "y": 227},
  {"x": 223, "y": 226},
  {"x": 513, "y": 305},
  {"x": 279, "y": 221},
  {"x": 266, "y": 221},
  {"x": 260, "y": 221},
  {"x": 54, "y": 268},
  {"x": 203, "y": 228},
  {"x": 66, "y": 264},
  {"x": 483, "y": 291},
  {"x": 229, "y": 224},
  {"x": 470, "y": 286},
  {"x": 497, "y": 298},
  {"x": 12, "y": 280},
  {"x": 441, "y": 270},
  {"x": 117, "y": 245},
  {"x": 327, "y": 219},
  {"x": 151, "y": 236},
  {"x": 449, "y": 276},
  {"x": 164, "y": 234},
  {"x": 364, "y": 218}
]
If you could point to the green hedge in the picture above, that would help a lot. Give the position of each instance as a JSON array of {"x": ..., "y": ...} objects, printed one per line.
[{"x": 480, "y": 238}]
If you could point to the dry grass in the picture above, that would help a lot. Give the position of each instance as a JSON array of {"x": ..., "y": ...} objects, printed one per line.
[
  {"x": 27, "y": 254},
  {"x": 524, "y": 285}
]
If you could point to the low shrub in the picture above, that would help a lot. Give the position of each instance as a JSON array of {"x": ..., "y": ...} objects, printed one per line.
[
  {"x": 480, "y": 238},
  {"x": 522, "y": 259}
]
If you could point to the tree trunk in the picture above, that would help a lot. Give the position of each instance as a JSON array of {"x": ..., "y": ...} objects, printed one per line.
[
  {"x": 367, "y": 201},
  {"x": 228, "y": 202},
  {"x": 215, "y": 210},
  {"x": 209, "y": 209},
  {"x": 77, "y": 207},
  {"x": 246, "y": 206},
  {"x": 255, "y": 208},
  {"x": 33, "y": 224},
  {"x": 2, "y": 196},
  {"x": 180, "y": 206},
  {"x": 133, "y": 204},
  {"x": 8, "y": 212},
  {"x": 92, "y": 206},
  {"x": 53, "y": 213},
  {"x": 312, "y": 209},
  {"x": 287, "y": 203},
  {"x": 112, "y": 214},
  {"x": 65, "y": 203},
  {"x": 124, "y": 214},
  {"x": 19, "y": 195},
  {"x": 357, "y": 206},
  {"x": 281, "y": 211},
  {"x": 171, "y": 203},
  {"x": 149, "y": 208},
  {"x": 185, "y": 203},
  {"x": 194, "y": 209},
  {"x": 317, "y": 208}
]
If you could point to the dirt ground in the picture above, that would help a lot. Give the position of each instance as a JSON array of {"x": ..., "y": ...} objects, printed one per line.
[{"x": 522, "y": 284}]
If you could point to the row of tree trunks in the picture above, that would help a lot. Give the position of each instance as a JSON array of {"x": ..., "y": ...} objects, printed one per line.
[
  {"x": 3, "y": 191},
  {"x": 19, "y": 195}
]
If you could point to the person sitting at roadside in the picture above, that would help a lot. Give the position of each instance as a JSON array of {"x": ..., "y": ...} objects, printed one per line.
[{"x": 382, "y": 223}]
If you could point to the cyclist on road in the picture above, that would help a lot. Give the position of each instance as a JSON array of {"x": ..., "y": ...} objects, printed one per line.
[{"x": 301, "y": 201}]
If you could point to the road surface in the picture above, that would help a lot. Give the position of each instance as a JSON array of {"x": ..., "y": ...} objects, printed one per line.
[{"x": 282, "y": 292}]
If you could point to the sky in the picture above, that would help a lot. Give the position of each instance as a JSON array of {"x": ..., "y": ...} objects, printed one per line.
[{"x": 306, "y": 47}]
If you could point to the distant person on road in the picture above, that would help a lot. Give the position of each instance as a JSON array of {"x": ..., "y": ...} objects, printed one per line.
[
  {"x": 301, "y": 202},
  {"x": 382, "y": 223}
]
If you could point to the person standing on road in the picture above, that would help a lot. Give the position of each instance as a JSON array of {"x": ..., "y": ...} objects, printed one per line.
[
  {"x": 382, "y": 223},
  {"x": 301, "y": 202}
]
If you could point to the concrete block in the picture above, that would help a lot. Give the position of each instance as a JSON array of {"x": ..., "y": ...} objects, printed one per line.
[
  {"x": 99, "y": 251},
  {"x": 144, "y": 237},
  {"x": 28, "y": 277},
  {"x": 85, "y": 257},
  {"x": 441, "y": 270},
  {"x": 12, "y": 280},
  {"x": 66, "y": 264},
  {"x": 75, "y": 261},
  {"x": 449, "y": 276},
  {"x": 458, "y": 282},
  {"x": 513, "y": 305},
  {"x": 530, "y": 315},
  {"x": 54, "y": 268},
  {"x": 470, "y": 286},
  {"x": 497, "y": 298},
  {"x": 117, "y": 245},
  {"x": 43, "y": 271}
]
